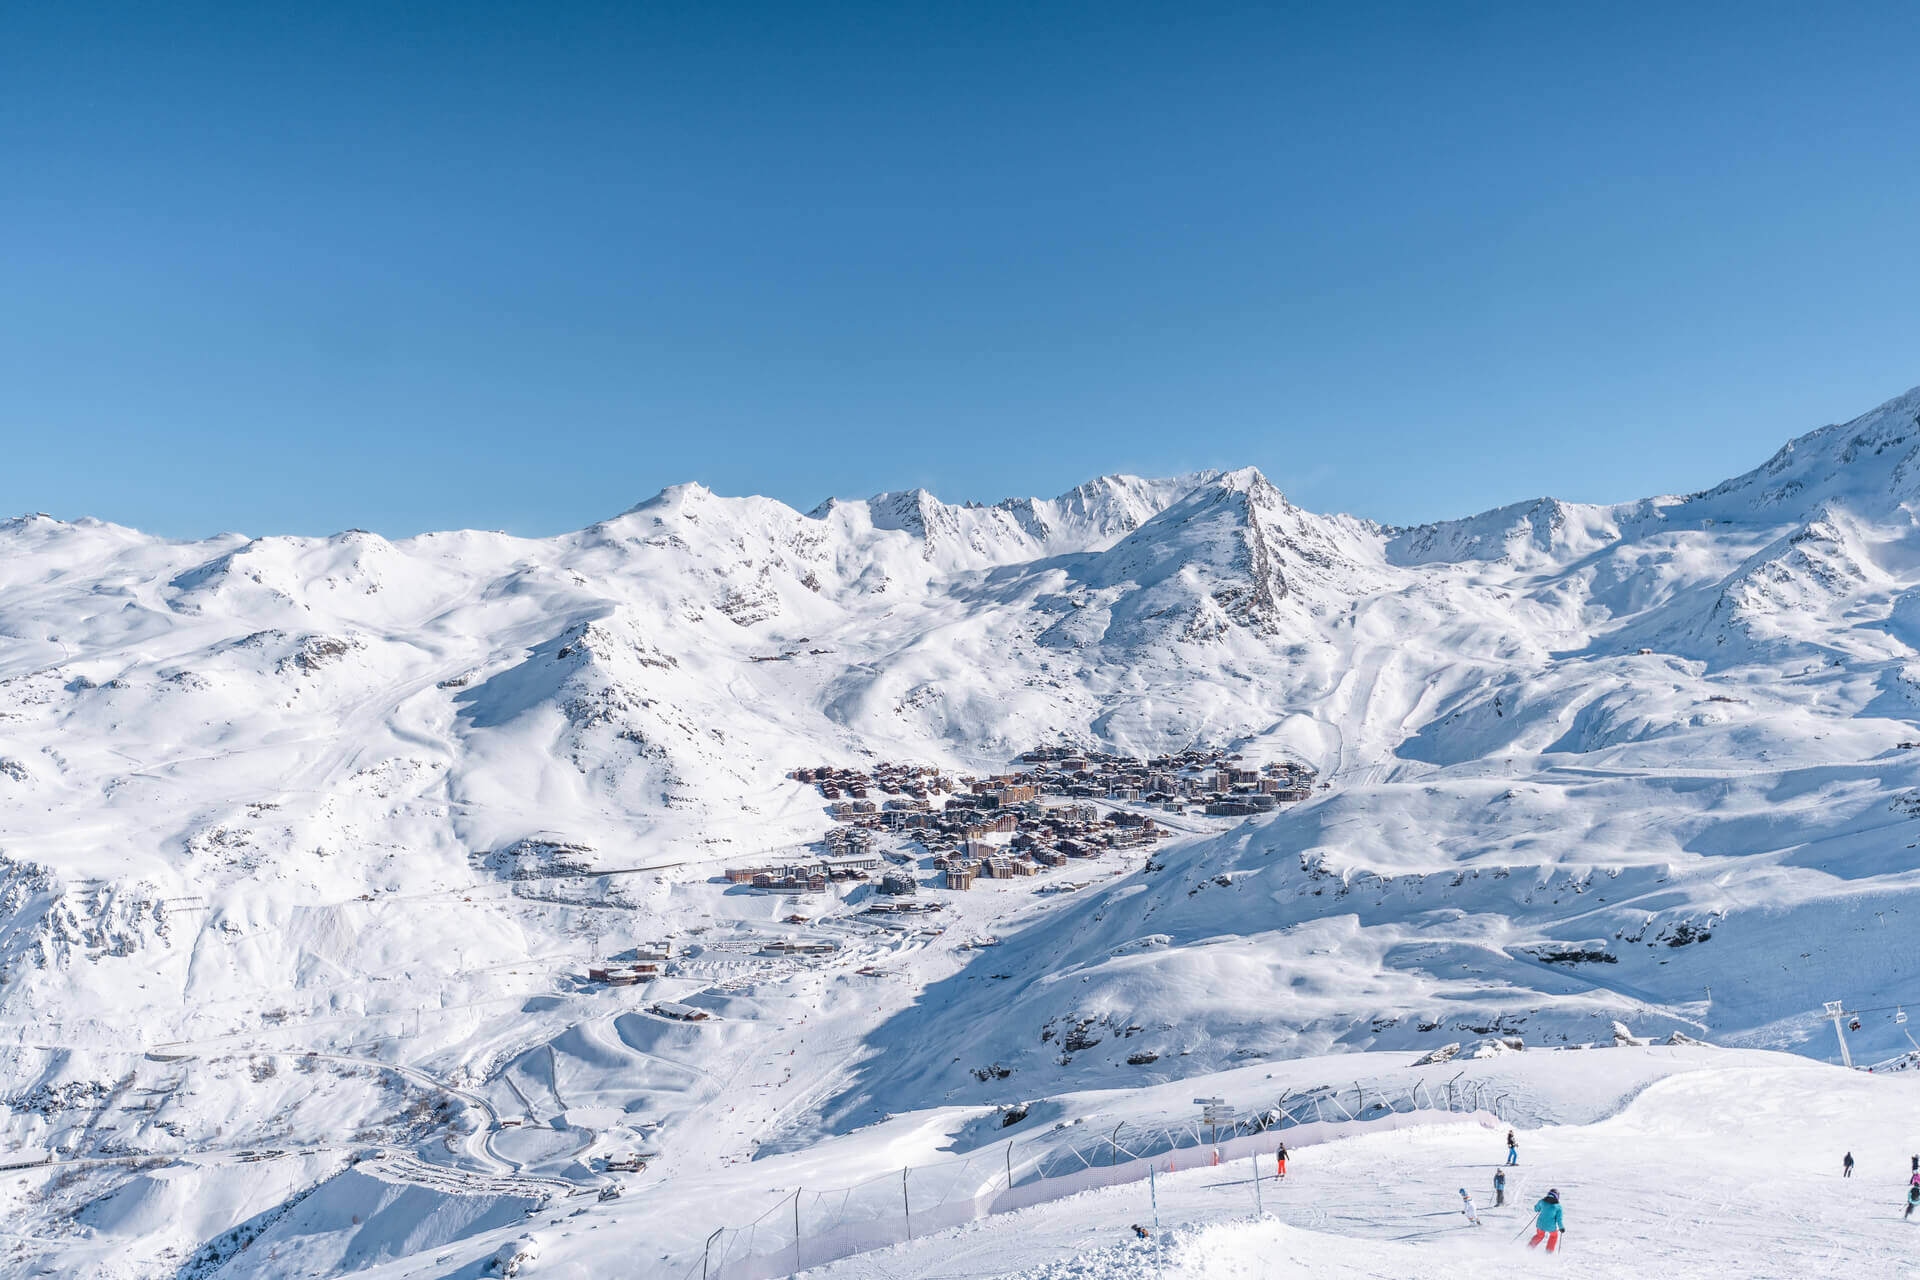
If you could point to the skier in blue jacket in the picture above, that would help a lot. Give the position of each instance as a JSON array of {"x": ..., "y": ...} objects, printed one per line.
[{"x": 1548, "y": 1222}]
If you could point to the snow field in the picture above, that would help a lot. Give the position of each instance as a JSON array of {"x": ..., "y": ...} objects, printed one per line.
[
  {"x": 261, "y": 798},
  {"x": 1713, "y": 1173}
]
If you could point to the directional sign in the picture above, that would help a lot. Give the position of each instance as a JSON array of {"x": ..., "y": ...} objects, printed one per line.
[{"x": 1209, "y": 1102}]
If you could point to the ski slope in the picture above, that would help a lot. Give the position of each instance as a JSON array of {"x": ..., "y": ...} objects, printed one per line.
[{"x": 1683, "y": 1162}]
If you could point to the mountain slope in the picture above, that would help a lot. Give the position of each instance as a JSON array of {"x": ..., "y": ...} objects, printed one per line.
[{"x": 387, "y": 799}]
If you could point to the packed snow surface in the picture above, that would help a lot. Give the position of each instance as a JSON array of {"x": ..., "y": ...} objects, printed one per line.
[{"x": 306, "y": 846}]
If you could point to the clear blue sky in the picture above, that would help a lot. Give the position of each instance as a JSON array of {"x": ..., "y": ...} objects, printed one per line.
[{"x": 285, "y": 268}]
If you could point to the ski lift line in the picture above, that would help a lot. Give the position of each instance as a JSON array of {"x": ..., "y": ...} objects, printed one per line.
[{"x": 1899, "y": 1010}]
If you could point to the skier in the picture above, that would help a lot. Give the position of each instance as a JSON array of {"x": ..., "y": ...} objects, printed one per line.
[
  {"x": 1499, "y": 1188},
  {"x": 1513, "y": 1149},
  {"x": 1467, "y": 1207},
  {"x": 1140, "y": 1231},
  {"x": 1846, "y": 1166},
  {"x": 1913, "y": 1198},
  {"x": 1548, "y": 1222},
  {"x": 1281, "y": 1155}
]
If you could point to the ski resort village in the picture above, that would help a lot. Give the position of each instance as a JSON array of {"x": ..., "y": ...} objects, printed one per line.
[{"x": 1162, "y": 879}]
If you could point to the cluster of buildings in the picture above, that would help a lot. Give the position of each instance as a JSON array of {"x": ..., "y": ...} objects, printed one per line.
[
  {"x": 1006, "y": 826},
  {"x": 918, "y": 782},
  {"x": 1218, "y": 781},
  {"x": 649, "y": 962},
  {"x": 812, "y": 877},
  {"x": 998, "y": 829},
  {"x": 1002, "y": 827}
]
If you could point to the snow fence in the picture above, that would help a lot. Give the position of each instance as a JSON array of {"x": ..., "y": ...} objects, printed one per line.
[{"x": 809, "y": 1228}]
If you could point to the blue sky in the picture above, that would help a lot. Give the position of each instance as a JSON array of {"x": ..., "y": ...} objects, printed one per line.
[{"x": 415, "y": 266}]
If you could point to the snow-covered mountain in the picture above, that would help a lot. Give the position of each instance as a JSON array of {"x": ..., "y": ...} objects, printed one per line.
[{"x": 360, "y": 797}]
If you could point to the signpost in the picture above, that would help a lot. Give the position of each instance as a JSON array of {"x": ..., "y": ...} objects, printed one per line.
[{"x": 1214, "y": 1112}]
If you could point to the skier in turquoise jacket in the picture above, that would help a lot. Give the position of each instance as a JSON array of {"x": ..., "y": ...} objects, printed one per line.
[{"x": 1548, "y": 1221}]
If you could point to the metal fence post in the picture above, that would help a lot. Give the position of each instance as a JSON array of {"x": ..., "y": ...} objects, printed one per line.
[
  {"x": 905, "y": 1203},
  {"x": 796, "y": 1228}
]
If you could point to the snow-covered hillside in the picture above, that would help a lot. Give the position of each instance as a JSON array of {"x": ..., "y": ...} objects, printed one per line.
[{"x": 306, "y": 844}]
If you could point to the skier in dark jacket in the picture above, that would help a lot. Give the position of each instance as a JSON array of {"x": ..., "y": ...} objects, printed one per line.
[
  {"x": 1499, "y": 1187},
  {"x": 1513, "y": 1149},
  {"x": 1548, "y": 1222},
  {"x": 1281, "y": 1156},
  {"x": 1846, "y": 1166}
]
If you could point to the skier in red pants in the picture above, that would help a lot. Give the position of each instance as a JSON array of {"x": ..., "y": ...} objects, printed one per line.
[{"x": 1548, "y": 1222}]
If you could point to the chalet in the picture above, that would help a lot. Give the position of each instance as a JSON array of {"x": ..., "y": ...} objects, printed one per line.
[
  {"x": 849, "y": 840},
  {"x": 679, "y": 1012},
  {"x": 901, "y": 908},
  {"x": 896, "y": 882},
  {"x": 623, "y": 975},
  {"x": 959, "y": 877},
  {"x": 799, "y": 948},
  {"x": 792, "y": 880},
  {"x": 1240, "y": 805}
]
